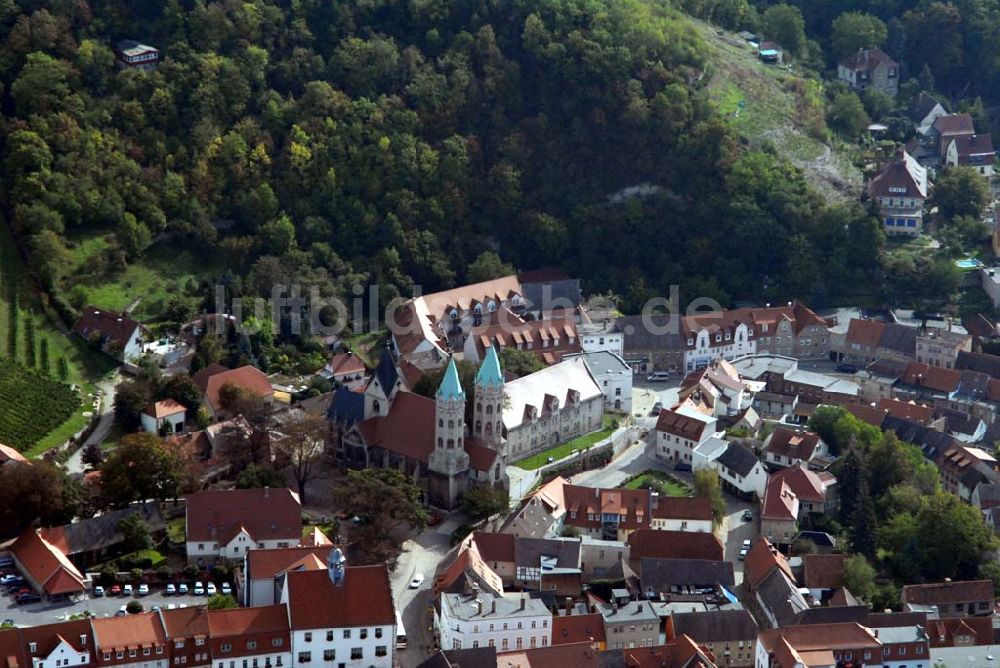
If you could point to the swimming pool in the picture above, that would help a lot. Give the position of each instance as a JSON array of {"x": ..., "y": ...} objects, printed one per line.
[{"x": 969, "y": 263}]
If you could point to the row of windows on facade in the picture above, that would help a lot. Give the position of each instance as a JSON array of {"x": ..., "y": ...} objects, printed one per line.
[
  {"x": 255, "y": 664},
  {"x": 504, "y": 643},
  {"x": 198, "y": 658},
  {"x": 609, "y": 517},
  {"x": 886, "y": 651},
  {"x": 534, "y": 625},
  {"x": 132, "y": 653},
  {"x": 331, "y": 654},
  {"x": 362, "y": 634},
  {"x": 901, "y": 222},
  {"x": 141, "y": 58},
  {"x": 491, "y": 306},
  {"x": 621, "y": 644},
  {"x": 251, "y": 644}
]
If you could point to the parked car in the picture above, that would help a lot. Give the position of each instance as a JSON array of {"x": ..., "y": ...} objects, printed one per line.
[
  {"x": 27, "y": 597},
  {"x": 417, "y": 580},
  {"x": 116, "y": 590},
  {"x": 747, "y": 544},
  {"x": 6, "y": 562},
  {"x": 170, "y": 590},
  {"x": 658, "y": 376},
  {"x": 182, "y": 588},
  {"x": 747, "y": 515},
  {"x": 682, "y": 466},
  {"x": 98, "y": 591},
  {"x": 226, "y": 589},
  {"x": 743, "y": 553},
  {"x": 210, "y": 589},
  {"x": 10, "y": 580},
  {"x": 655, "y": 410},
  {"x": 122, "y": 611},
  {"x": 143, "y": 589},
  {"x": 127, "y": 590},
  {"x": 199, "y": 589}
]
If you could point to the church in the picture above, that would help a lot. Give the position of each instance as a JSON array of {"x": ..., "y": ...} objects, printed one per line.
[{"x": 429, "y": 439}]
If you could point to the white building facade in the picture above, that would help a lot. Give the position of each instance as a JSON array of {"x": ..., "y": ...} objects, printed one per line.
[
  {"x": 613, "y": 375},
  {"x": 509, "y": 622}
]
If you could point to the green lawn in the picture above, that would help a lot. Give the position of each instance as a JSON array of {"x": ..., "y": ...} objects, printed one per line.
[
  {"x": 166, "y": 270},
  {"x": 658, "y": 481},
  {"x": 563, "y": 450}
]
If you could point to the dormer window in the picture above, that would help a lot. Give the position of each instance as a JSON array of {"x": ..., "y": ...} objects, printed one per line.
[
  {"x": 728, "y": 336},
  {"x": 492, "y": 306},
  {"x": 718, "y": 337},
  {"x": 690, "y": 342},
  {"x": 32, "y": 647}
]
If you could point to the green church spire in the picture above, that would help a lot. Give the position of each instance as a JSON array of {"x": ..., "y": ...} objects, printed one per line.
[
  {"x": 489, "y": 371},
  {"x": 451, "y": 386}
]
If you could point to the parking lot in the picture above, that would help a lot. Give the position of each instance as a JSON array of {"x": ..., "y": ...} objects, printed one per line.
[{"x": 46, "y": 612}]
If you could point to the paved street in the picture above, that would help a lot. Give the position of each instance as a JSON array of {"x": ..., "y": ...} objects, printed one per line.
[
  {"x": 107, "y": 387},
  {"x": 421, "y": 554},
  {"x": 45, "y": 612}
]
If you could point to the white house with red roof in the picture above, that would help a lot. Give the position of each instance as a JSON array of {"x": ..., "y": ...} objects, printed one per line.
[
  {"x": 900, "y": 190},
  {"x": 347, "y": 369},
  {"x": 227, "y": 524},
  {"x": 117, "y": 334},
  {"x": 679, "y": 431},
  {"x": 340, "y": 615},
  {"x": 163, "y": 417}
]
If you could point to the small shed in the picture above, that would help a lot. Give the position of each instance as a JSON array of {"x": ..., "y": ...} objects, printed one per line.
[{"x": 770, "y": 53}]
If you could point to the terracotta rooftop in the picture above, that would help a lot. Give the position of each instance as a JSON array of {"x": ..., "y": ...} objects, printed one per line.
[
  {"x": 805, "y": 484},
  {"x": 211, "y": 379},
  {"x": 680, "y": 653},
  {"x": 780, "y": 503},
  {"x": 761, "y": 560},
  {"x": 962, "y": 591},
  {"x": 495, "y": 547},
  {"x": 577, "y": 628},
  {"x": 161, "y": 409},
  {"x": 142, "y": 630},
  {"x": 268, "y": 563},
  {"x": 950, "y": 632},
  {"x": 579, "y": 654},
  {"x": 683, "y": 508},
  {"x": 908, "y": 410},
  {"x": 363, "y": 599},
  {"x": 680, "y": 425},
  {"x": 46, "y": 564},
  {"x": 793, "y": 444},
  {"x": 9, "y": 454},
  {"x": 954, "y": 124},
  {"x": 266, "y": 514},
  {"x": 823, "y": 571},
  {"x": 674, "y": 545},
  {"x": 246, "y": 621},
  {"x": 345, "y": 364},
  {"x": 932, "y": 377}
]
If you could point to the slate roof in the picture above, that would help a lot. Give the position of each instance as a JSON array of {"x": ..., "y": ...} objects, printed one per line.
[
  {"x": 900, "y": 338},
  {"x": 981, "y": 362},
  {"x": 529, "y": 552},
  {"x": 347, "y": 407},
  {"x": 715, "y": 625},
  {"x": 738, "y": 458},
  {"x": 903, "y": 172},
  {"x": 780, "y": 596},
  {"x": 932, "y": 443},
  {"x": 638, "y": 336},
  {"x": 661, "y": 575},
  {"x": 954, "y": 124},
  {"x": 96, "y": 533},
  {"x": 922, "y": 106},
  {"x": 385, "y": 372}
]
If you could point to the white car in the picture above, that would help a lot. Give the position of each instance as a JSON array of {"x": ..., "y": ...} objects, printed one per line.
[
  {"x": 199, "y": 589},
  {"x": 127, "y": 590},
  {"x": 210, "y": 589},
  {"x": 743, "y": 554},
  {"x": 417, "y": 580},
  {"x": 226, "y": 589},
  {"x": 170, "y": 590},
  {"x": 182, "y": 588},
  {"x": 747, "y": 544},
  {"x": 143, "y": 589}
]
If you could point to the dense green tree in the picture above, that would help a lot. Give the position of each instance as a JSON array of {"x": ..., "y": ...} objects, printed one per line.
[
  {"x": 856, "y": 30},
  {"x": 784, "y": 24},
  {"x": 863, "y": 522},
  {"x": 960, "y": 191},
  {"x": 519, "y": 362},
  {"x": 140, "y": 468},
  {"x": 846, "y": 114},
  {"x": 707, "y": 485},
  {"x": 488, "y": 265},
  {"x": 485, "y": 501},
  {"x": 257, "y": 476},
  {"x": 135, "y": 533},
  {"x": 859, "y": 577}
]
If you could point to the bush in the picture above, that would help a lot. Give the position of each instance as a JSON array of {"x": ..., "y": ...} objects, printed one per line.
[
  {"x": 109, "y": 576},
  {"x": 220, "y": 573},
  {"x": 164, "y": 573},
  {"x": 136, "y": 573},
  {"x": 133, "y": 607},
  {"x": 190, "y": 572}
]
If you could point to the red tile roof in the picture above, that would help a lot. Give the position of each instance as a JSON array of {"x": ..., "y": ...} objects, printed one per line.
[
  {"x": 680, "y": 653},
  {"x": 210, "y": 381},
  {"x": 805, "y": 484},
  {"x": 823, "y": 571},
  {"x": 510, "y": 330},
  {"x": 866, "y": 413},
  {"x": 901, "y": 177},
  {"x": 407, "y": 430},
  {"x": 247, "y": 621},
  {"x": 865, "y": 332},
  {"x": 142, "y": 630},
  {"x": 954, "y": 124},
  {"x": 780, "y": 503},
  {"x": 268, "y": 563},
  {"x": 947, "y": 632},
  {"x": 791, "y": 443},
  {"x": 815, "y": 637},
  {"x": 577, "y": 655},
  {"x": 267, "y": 514},
  {"x": 585, "y": 505},
  {"x": 948, "y": 592},
  {"x": 46, "y": 565},
  {"x": 678, "y": 424},
  {"x": 346, "y": 363},
  {"x": 908, "y": 410},
  {"x": 161, "y": 409},
  {"x": 481, "y": 458},
  {"x": 364, "y": 599},
  {"x": 495, "y": 546},
  {"x": 683, "y": 508},
  {"x": 116, "y": 327},
  {"x": 15, "y": 643},
  {"x": 973, "y": 145},
  {"x": 578, "y": 628},
  {"x": 932, "y": 377},
  {"x": 185, "y": 622},
  {"x": 761, "y": 560},
  {"x": 675, "y": 545}
]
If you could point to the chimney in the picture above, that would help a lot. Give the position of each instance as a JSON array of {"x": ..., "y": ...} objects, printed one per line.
[
  {"x": 614, "y": 607},
  {"x": 569, "y": 606},
  {"x": 522, "y": 601},
  {"x": 875, "y": 631},
  {"x": 479, "y": 607},
  {"x": 638, "y": 607},
  {"x": 493, "y": 606}
]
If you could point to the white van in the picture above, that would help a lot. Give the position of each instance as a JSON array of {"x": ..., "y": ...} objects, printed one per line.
[{"x": 658, "y": 376}]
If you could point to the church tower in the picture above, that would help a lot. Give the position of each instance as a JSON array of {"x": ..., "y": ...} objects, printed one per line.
[
  {"x": 449, "y": 458},
  {"x": 487, "y": 414}
]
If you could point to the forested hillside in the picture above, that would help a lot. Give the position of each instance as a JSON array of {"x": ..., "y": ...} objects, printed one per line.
[{"x": 328, "y": 142}]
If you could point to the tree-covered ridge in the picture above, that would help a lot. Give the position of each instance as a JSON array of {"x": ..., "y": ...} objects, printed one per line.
[{"x": 327, "y": 143}]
